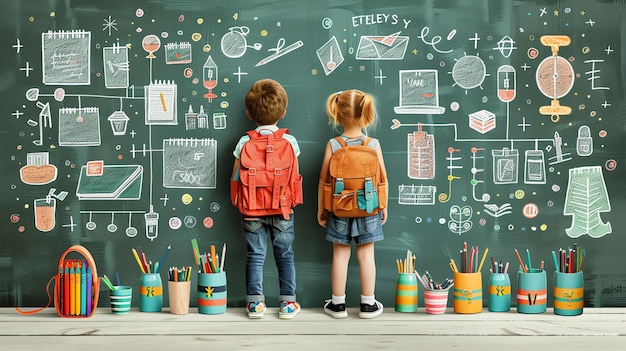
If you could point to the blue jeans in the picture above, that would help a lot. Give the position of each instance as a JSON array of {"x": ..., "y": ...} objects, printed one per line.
[{"x": 280, "y": 231}]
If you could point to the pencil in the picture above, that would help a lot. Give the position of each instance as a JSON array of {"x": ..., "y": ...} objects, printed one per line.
[
  {"x": 138, "y": 260},
  {"x": 482, "y": 260},
  {"x": 223, "y": 257},
  {"x": 520, "y": 261}
]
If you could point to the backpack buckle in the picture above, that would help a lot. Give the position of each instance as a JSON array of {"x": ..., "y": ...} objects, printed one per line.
[
  {"x": 270, "y": 148},
  {"x": 252, "y": 171},
  {"x": 278, "y": 171}
]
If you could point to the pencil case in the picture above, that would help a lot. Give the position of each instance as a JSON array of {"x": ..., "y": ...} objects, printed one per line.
[{"x": 76, "y": 285}]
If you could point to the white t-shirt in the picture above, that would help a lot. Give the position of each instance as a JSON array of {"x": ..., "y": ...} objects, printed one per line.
[{"x": 244, "y": 139}]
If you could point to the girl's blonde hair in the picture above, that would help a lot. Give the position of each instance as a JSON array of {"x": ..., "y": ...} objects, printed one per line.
[{"x": 351, "y": 107}]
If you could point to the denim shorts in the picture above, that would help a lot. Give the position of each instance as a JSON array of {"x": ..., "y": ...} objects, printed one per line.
[{"x": 363, "y": 230}]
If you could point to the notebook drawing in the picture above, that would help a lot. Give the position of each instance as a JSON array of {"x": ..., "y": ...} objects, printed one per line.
[{"x": 419, "y": 92}]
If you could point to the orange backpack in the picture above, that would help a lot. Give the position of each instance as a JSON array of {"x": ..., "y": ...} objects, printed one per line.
[
  {"x": 356, "y": 186},
  {"x": 269, "y": 182},
  {"x": 76, "y": 297}
]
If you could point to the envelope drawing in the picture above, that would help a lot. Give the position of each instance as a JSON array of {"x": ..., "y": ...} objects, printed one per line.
[
  {"x": 117, "y": 182},
  {"x": 390, "y": 47}
]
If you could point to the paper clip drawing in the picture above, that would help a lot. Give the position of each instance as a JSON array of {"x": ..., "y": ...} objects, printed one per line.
[
  {"x": 279, "y": 51},
  {"x": 555, "y": 77},
  {"x": 390, "y": 47}
]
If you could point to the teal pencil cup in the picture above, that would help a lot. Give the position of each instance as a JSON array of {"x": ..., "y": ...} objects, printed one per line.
[
  {"x": 532, "y": 291},
  {"x": 121, "y": 298},
  {"x": 499, "y": 292},
  {"x": 150, "y": 293},
  {"x": 212, "y": 294},
  {"x": 568, "y": 293}
]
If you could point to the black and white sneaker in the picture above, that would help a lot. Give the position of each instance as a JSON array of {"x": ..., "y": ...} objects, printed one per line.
[
  {"x": 371, "y": 311},
  {"x": 336, "y": 311}
]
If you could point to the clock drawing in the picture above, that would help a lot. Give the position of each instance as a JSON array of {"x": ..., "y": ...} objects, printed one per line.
[{"x": 555, "y": 77}]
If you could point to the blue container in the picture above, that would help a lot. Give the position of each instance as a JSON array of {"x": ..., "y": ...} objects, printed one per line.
[
  {"x": 499, "y": 292},
  {"x": 150, "y": 293},
  {"x": 568, "y": 293},
  {"x": 212, "y": 294},
  {"x": 532, "y": 291}
]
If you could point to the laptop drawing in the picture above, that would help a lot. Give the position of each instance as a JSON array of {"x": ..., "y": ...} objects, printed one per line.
[{"x": 419, "y": 92}]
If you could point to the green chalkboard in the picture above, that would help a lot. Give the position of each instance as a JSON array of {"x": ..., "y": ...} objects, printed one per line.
[{"x": 501, "y": 123}]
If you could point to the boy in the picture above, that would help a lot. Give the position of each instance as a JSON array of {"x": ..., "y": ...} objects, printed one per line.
[{"x": 266, "y": 104}]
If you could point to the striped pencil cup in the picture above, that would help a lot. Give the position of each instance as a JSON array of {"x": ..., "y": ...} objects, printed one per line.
[
  {"x": 406, "y": 293},
  {"x": 212, "y": 294},
  {"x": 532, "y": 291},
  {"x": 150, "y": 293},
  {"x": 568, "y": 293},
  {"x": 468, "y": 292},
  {"x": 436, "y": 301},
  {"x": 499, "y": 292}
]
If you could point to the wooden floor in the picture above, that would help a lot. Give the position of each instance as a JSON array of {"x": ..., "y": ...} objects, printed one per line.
[{"x": 596, "y": 328}]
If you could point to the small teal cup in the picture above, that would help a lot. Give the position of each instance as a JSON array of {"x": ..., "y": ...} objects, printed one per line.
[
  {"x": 121, "y": 298},
  {"x": 499, "y": 292}
]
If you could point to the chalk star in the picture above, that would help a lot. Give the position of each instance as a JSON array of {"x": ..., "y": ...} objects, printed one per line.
[
  {"x": 524, "y": 124},
  {"x": 17, "y": 114},
  {"x": 556, "y": 13},
  {"x": 164, "y": 199},
  {"x": 475, "y": 39},
  {"x": 543, "y": 12},
  {"x": 582, "y": 13},
  {"x": 606, "y": 104},
  {"x": 209, "y": 291},
  {"x": 133, "y": 133},
  {"x": 71, "y": 225},
  {"x": 380, "y": 76},
  {"x": 27, "y": 69},
  {"x": 109, "y": 24},
  {"x": 18, "y": 46},
  {"x": 414, "y": 51},
  {"x": 525, "y": 66},
  {"x": 608, "y": 50},
  {"x": 590, "y": 22},
  {"x": 239, "y": 74}
]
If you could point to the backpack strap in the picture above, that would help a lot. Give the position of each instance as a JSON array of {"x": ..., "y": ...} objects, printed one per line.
[{"x": 20, "y": 311}]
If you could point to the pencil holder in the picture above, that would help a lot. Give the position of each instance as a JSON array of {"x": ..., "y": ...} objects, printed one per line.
[
  {"x": 212, "y": 294},
  {"x": 436, "y": 301},
  {"x": 179, "y": 295},
  {"x": 121, "y": 298},
  {"x": 532, "y": 291},
  {"x": 406, "y": 293},
  {"x": 468, "y": 292},
  {"x": 499, "y": 292},
  {"x": 150, "y": 293},
  {"x": 568, "y": 293}
]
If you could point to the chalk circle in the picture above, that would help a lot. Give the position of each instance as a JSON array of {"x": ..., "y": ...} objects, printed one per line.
[
  {"x": 519, "y": 194},
  {"x": 190, "y": 221},
  {"x": 186, "y": 199},
  {"x": 442, "y": 220},
  {"x": 90, "y": 225},
  {"x": 418, "y": 219},
  {"x": 610, "y": 165},
  {"x": 175, "y": 223},
  {"x": 15, "y": 218},
  {"x": 327, "y": 23},
  {"x": 139, "y": 13},
  {"x": 215, "y": 206},
  {"x": 208, "y": 222},
  {"x": 511, "y": 227},
  {"x": 112, "y": 228},
  {"x": 196, "y": 36},
  {"x": 59, "y": 94},
  {"x": 188, "y": 72}
]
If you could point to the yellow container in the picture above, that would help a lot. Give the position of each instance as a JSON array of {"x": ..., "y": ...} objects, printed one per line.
[{"x": 468, "y": 292}]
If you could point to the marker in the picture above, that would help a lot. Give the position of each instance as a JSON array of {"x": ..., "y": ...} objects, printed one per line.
[{"x": 138, "y": 260}]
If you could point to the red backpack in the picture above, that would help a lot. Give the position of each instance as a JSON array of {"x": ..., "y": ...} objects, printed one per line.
[{"x": 269, "y": 182}]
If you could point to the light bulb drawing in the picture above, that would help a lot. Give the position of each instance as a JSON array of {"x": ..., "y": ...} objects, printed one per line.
[
  {"x": 555, "y": 77},
  {"x": 150, "y": 44},
  {"x": 209, "y": 78}
]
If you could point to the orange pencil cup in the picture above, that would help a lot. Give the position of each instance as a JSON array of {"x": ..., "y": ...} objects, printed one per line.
[{"x": 468, "y": 292}]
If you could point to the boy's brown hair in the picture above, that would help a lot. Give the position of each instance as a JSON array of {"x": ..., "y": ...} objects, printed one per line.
[{"x": 266, "y": 102}]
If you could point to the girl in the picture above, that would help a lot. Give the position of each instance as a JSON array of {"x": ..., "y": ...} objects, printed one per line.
[{"x": 354, "y": 111}]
